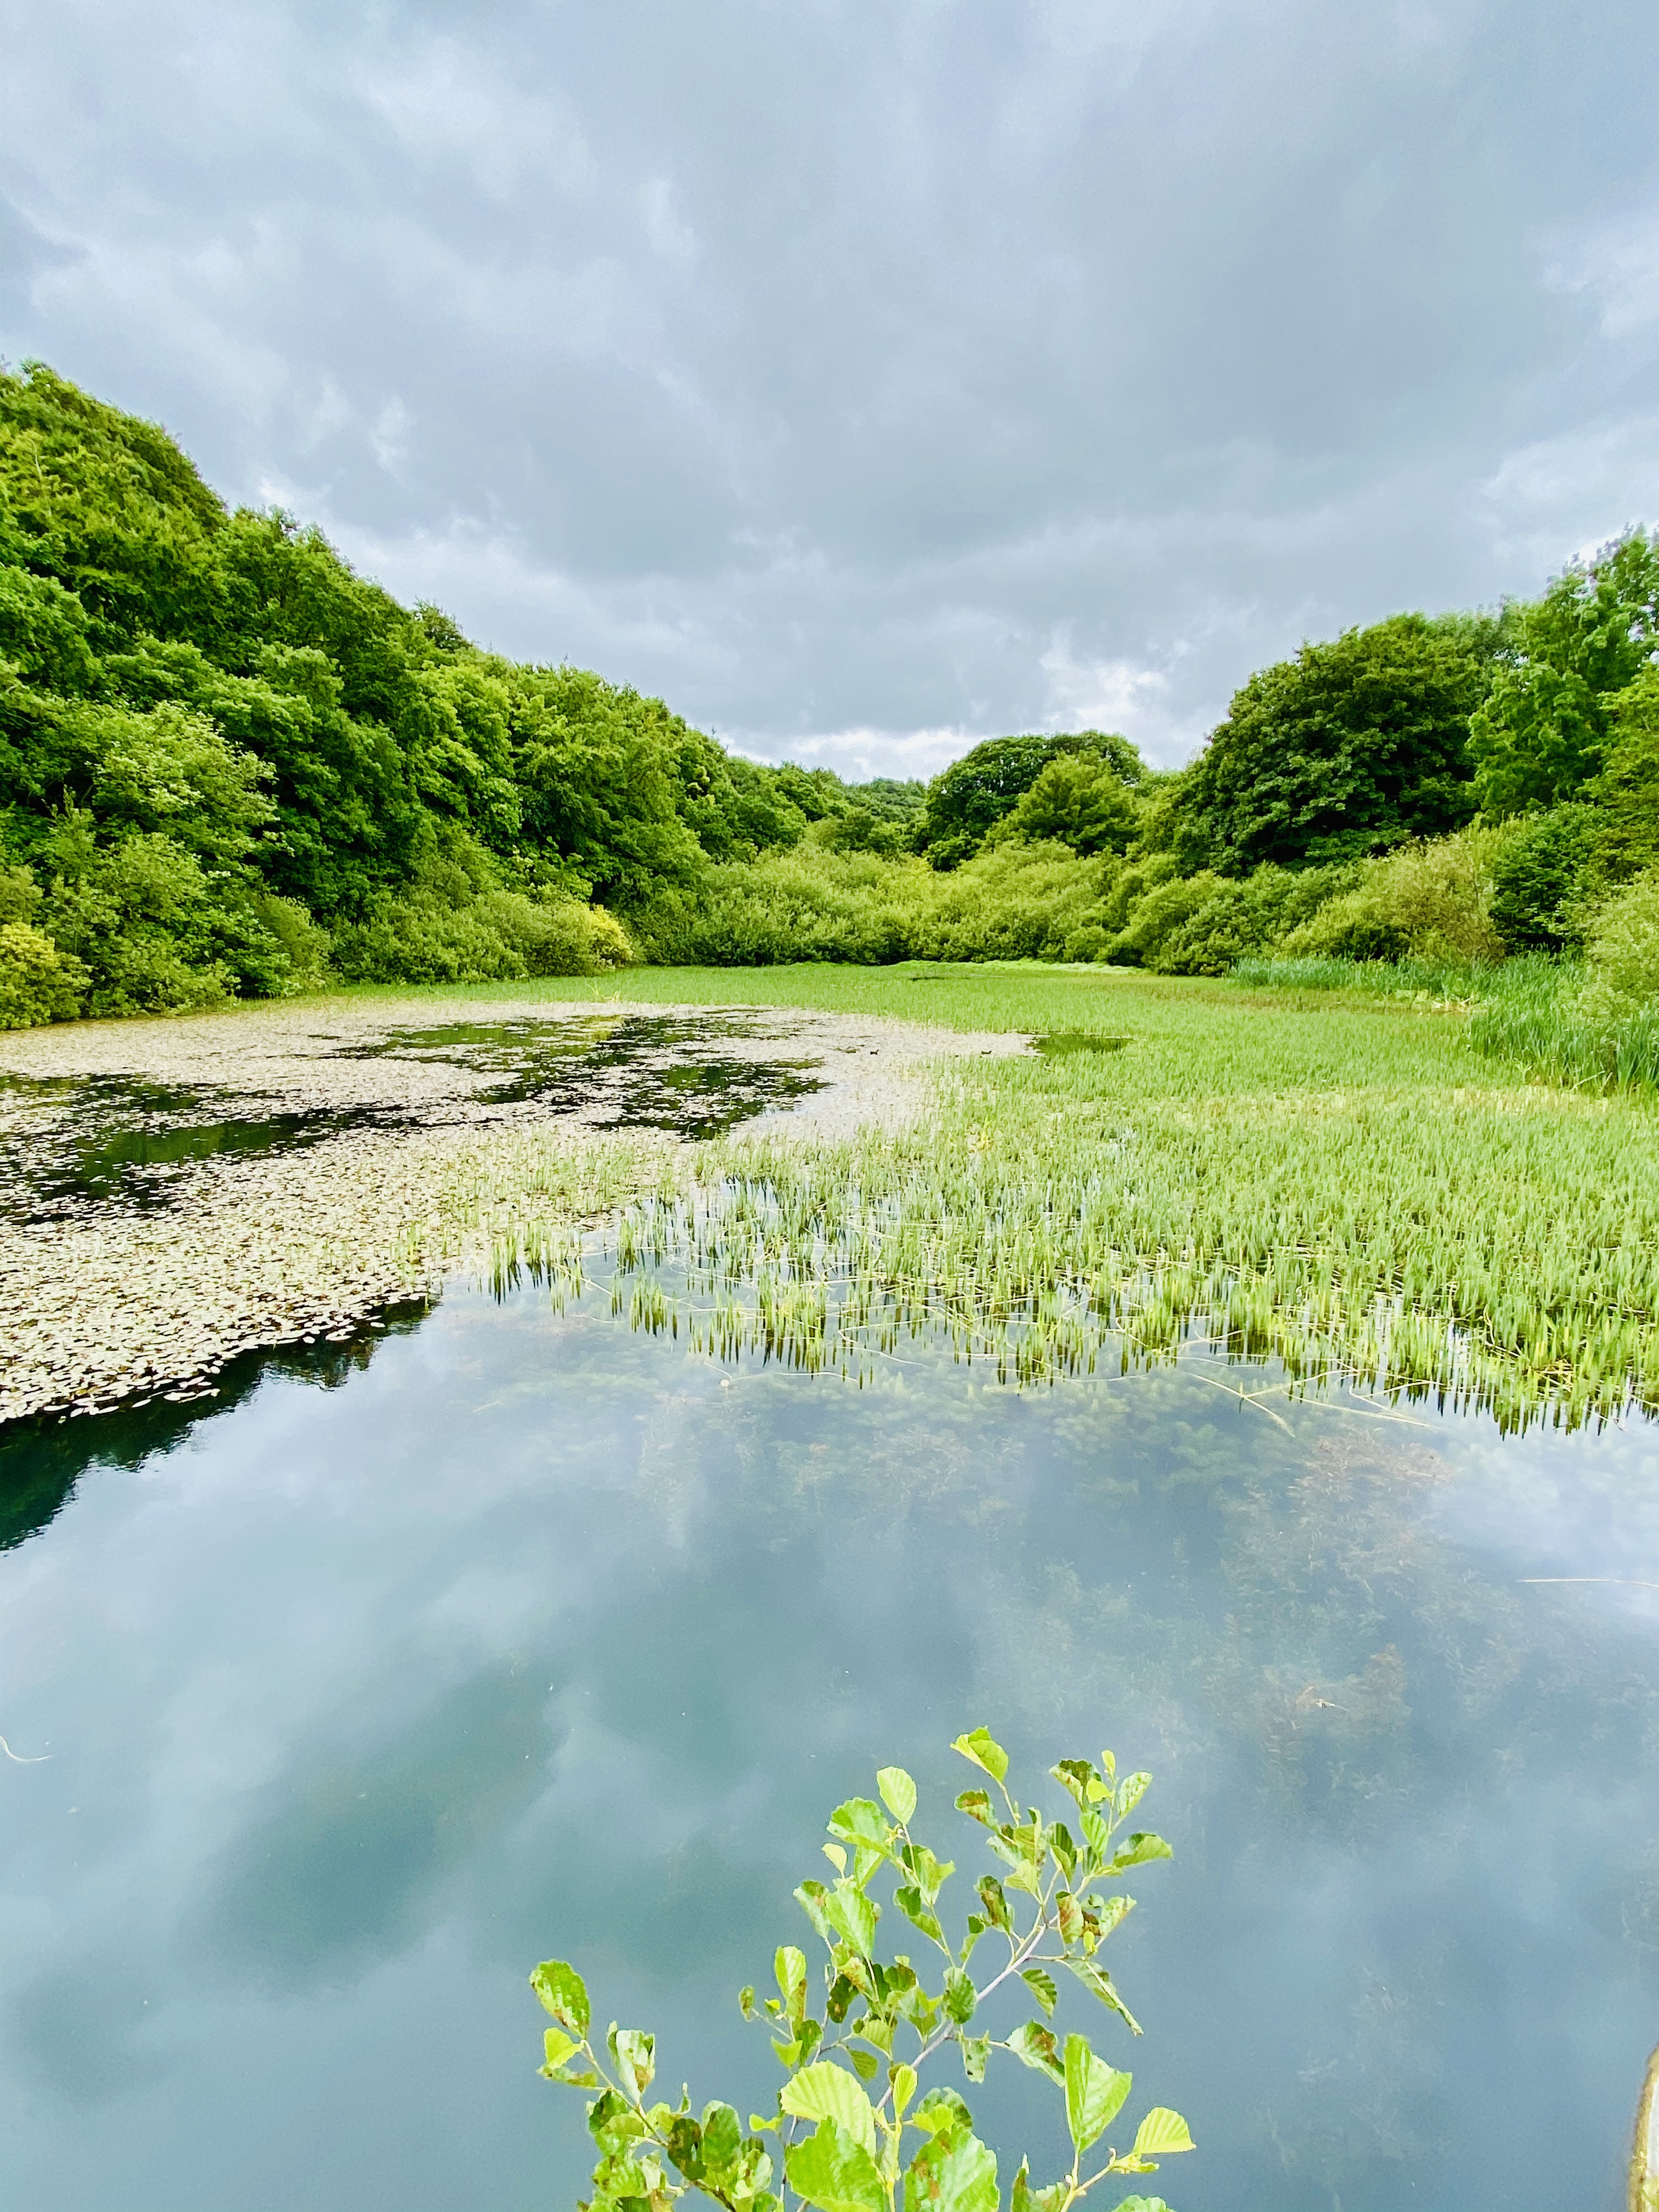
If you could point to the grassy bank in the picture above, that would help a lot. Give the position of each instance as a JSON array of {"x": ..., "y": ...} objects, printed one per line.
[{"x": 1333, "y": 1178}]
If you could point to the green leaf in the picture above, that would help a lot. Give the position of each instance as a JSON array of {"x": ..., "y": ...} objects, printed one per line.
[
  {"x": 982, "y": 1747},
  {"x": 960, "y": 1997},
  {"x": 978, "y": 1807},
  {"x": 1099, "y": 1983},
  {"x": 635, "y": 2054},
  {"x": 1130, "y": 1791},
  {"x": 1076, "y": 1775},
  {"x": 995, "y": 1902},
  {"x": 898, "y": 1792},
  {"x": 853, "y": 1915},
  {"x": 1036, "y": 2046},
  {"x": 684, "y": 2137},
  {"x": 942, "y": 2107},
  {"x": 860, "y": 1821},
  {"x": 789, "y": 1965},
  {"x": 810, "y": 1898},
  {"x": 1142, "y": 2205},
  {"x": 833, "y": 2170},
  {"x": 908, "y": 1901},
  {"x": 1112, "y": 1911},
  {"x": 612, "y": 2122},
  {"x": 1162, "y": 2133},
  {"x": 1136, "y": 1852},
  {"x": 722, "y": 2136},
  {"x": 560, "y": 2049},
  {"x": 953, "y": 2173},
  {"x": 563, "y": 1992},
  {"x": 1094, "y": 2091},
  {"x": 1042, "y": 1987},
  {"x": 904, "y": 2079},
  {"x": 866, "y": 2063},
  {"x": 829, "y": 2092},
  {"x": 975, "y": 2050}
]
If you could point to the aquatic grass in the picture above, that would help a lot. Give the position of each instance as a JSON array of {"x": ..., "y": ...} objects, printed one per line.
[
  {"x": 1541, "y": 1017},
  {"x": 1455, "y": 980},
  {"x": 1342, "y": 1186}
]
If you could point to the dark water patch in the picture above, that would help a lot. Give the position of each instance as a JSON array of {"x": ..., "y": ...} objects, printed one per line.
[
  {"x": 1058, "y": 1044},
  {"x": 42, "y": 1459},
  {"x": 632, "y": 1070},
  {"x": 99, "y": 1140}
]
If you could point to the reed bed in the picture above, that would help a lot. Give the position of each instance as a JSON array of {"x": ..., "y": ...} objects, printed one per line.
[{"x": 1345, "y": 1188}]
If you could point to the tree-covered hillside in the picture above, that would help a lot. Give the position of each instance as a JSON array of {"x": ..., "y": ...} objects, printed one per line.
[
  {"x": 226, "y": 760},
  {"x": 230, "y": 766}
]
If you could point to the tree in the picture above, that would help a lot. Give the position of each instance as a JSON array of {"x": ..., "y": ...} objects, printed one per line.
[
  {"x": 1350, "y": 748},
  {"x": 1079, "y": 800},
  {"x": 841, "y": 2146},
  {"x": 965, "y": 804},
  {"x": 1543, "y": 731}
]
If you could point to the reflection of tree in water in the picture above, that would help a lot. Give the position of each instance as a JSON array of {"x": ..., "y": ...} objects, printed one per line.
[{"x": 43, "y": 1458}]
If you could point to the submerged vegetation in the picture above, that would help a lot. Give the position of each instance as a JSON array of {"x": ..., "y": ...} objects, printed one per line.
[
  {"x": 853, "y": 2130},
  {"x": 1336, "y": 1181}
]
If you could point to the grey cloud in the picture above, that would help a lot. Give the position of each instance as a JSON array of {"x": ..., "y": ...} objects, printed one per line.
[{"x": 866, "y": 378}]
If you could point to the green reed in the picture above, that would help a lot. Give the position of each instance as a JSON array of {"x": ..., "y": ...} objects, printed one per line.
[{"x": 1342, "y": 1186}]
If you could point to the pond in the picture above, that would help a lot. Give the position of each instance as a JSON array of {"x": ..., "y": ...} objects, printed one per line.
[{"x": 500, "y": 1634}]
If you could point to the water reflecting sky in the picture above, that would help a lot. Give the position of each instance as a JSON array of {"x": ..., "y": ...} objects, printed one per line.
[{"x": 535, "y": 1636}]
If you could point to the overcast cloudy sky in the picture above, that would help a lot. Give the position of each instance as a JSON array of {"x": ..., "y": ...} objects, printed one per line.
[{"x": 866, "y": 376}]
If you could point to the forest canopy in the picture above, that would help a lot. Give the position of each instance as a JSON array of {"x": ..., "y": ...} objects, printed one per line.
[{"x": 230, "y": 766}]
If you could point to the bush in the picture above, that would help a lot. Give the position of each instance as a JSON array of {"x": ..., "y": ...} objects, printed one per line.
[
  {"x": 1240, "y": 918},
  {"x": 1429, "y": 901},
  {"x": 1623, "y": 950},
  {"x": 1157, "y": 915},
  {"x": 1541, "y": 876},
  {"x": 38, "y": 984},
  {"x": 499, "y": 936}
]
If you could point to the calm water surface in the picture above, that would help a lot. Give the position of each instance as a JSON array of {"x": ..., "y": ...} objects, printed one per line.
[{"x": 532, "y": 1636}]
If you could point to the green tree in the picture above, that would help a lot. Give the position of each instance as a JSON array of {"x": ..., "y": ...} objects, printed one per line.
[
  {"x": 850, "y": 2132},
  {"x": 1079, "y": 800},
  {"x": 975, "y": 794},
  {"x": 1350, "y": 748},
  {"x": 1542, "y": 731}
]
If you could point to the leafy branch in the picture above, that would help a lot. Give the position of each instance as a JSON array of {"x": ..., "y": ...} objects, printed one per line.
[{"x": 843, "y": 2143}]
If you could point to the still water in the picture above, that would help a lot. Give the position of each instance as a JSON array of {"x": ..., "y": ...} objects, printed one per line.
[{"x": 528, "y": 1636}]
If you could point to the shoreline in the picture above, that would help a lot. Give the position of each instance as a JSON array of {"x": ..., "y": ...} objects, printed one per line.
[{"x": 112, "y": 1305}]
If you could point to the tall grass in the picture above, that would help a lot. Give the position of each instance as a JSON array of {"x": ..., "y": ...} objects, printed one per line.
[
  {"x": 1538, "y": 1012},
  {"x": 1338, "y": 1184}
]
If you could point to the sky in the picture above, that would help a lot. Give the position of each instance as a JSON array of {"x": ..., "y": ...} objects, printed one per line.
[{"x": 867, "y": 377}]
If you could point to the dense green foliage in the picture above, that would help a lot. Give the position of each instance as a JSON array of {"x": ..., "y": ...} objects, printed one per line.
[
  {"x": 848, "y": 2131},
  {"x": 230, "y": 766},
  {"x": 226, "y": 762},
  {"x": 1350, "y": 749}
]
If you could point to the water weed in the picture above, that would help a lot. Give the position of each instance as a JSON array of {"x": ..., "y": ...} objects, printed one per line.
[{"x": 1345, "y": 1187}]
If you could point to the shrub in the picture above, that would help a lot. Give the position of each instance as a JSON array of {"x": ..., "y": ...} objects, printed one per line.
[
  {"x": 836, "y": 2144},
  {"x": 38, "y": 984},
  {"x": 1623, "y": 950},
  {"x": 1013, "y": 902},
  {"x": 1541, "y": 876},
  {"x": 1240, "y": 918},
  {"x": 1428, "y": 901},
  {"x": 1157, "y": 917},
  {"x": 496, "y": 936}
]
